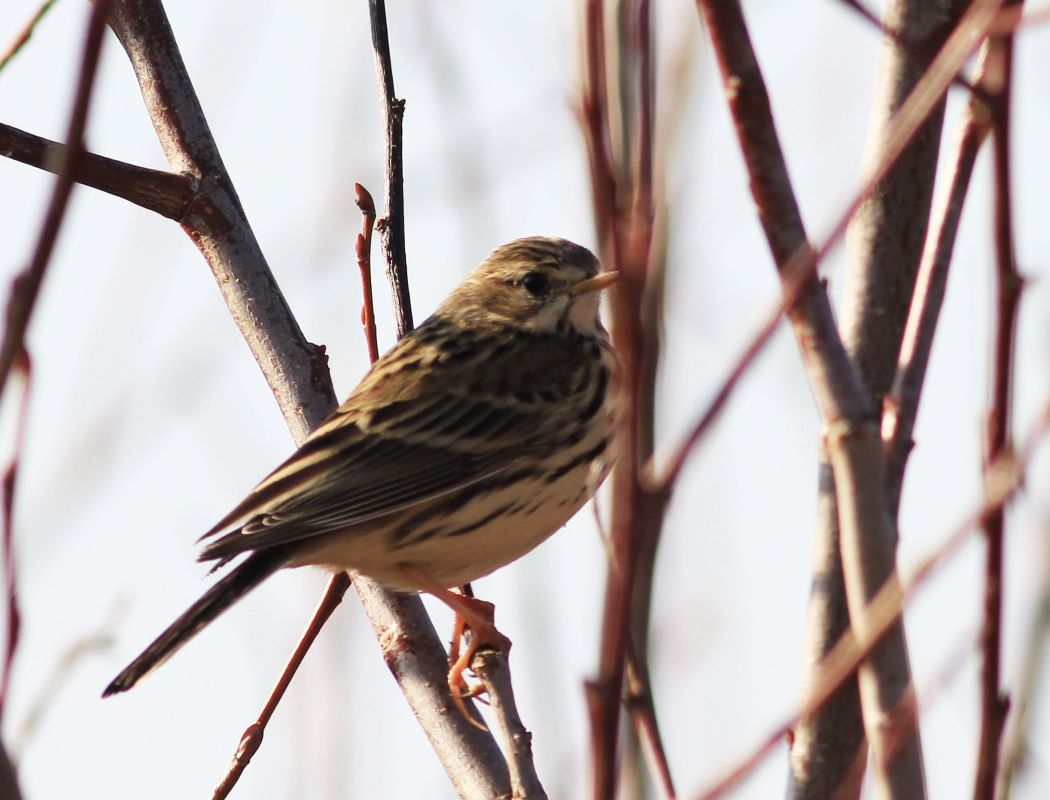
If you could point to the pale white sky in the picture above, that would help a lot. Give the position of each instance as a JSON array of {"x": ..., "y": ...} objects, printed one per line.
[{"x": 149, "y": 418}]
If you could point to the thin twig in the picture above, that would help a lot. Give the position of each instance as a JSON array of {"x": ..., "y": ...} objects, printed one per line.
[
  {"x": 24, "y": 35},
  {"x": 391, "y": 226},
  {"x": 164, "y": 192},
  {"x": 252, "y": 737},
  {"x": 363, "y": 250},
  {"x": 26, "y": 286},
  {"x": 901, "y": 404},
  {"x": 1008, "y": 286}
]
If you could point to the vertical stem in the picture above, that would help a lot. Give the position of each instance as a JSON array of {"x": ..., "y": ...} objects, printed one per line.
[
  {"x": 1008, "y": 285},
  {"x": 391, "y": 226}
]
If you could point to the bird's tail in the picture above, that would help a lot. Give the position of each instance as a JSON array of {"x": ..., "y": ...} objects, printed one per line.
[{"x": 231, "y": 588}]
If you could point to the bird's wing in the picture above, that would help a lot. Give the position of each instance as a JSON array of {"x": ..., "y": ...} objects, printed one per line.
[
  {"x": 410, "y": 434},
  {"x": 366, "y": 466}
]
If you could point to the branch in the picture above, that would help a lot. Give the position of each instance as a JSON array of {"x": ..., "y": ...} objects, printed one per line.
[
  {"x": 26, "y": 286},
  {"x": 1008, "y": 285},
  {"x": 625, "y": 208},
  {"x": 1006, "y": 477},
  {"x": 296, "y": 372},
  {"x": 363, "y": 250},
  {"x": 13, "y": 616},
  {"x": 391, "y": 226},
  {"x": 901, "y": 404},
  {"x": 24, "y": 35},
  {"x": 155, "y": 190},
  {"x": 844, "y": 403},
  {"x": 251, "y": 739},
  {"x": 493, "y": 671}
]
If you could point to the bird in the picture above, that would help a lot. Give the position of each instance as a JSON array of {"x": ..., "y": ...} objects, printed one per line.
[{"x": 480, "y": 434}]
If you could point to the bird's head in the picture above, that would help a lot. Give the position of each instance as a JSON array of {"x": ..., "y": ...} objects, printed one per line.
[{"x": 536, "y": 284}]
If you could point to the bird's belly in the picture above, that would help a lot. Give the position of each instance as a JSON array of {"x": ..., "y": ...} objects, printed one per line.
[{"x": 472, "y": 541}]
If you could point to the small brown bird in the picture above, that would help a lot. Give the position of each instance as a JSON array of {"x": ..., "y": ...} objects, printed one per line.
[{"x": 478, "y": 436}]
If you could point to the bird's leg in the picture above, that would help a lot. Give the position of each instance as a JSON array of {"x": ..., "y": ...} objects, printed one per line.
[{"x": 479, "y": 615}]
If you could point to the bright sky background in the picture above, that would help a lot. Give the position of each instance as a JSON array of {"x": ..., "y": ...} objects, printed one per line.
[{"x": 149, "y": 418}]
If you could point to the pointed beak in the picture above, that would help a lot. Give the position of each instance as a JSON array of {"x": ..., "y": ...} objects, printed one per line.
[{"x": 598, "y": 282}]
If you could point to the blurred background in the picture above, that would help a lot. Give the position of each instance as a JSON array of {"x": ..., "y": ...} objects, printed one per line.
[{"x": 149, "y": 419}]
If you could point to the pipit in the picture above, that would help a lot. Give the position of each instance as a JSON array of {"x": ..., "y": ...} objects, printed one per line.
[{"x": 468, "y": 444}]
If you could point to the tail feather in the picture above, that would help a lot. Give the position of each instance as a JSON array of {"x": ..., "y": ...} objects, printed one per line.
[{"x": 231, "y": 588}]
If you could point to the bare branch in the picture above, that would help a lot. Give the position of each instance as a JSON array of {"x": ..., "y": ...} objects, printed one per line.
[
  {"x": 901, "y": 404},
  {"x": 1008, "y": 286},
  {"x": 13, "y": 616},
  {"x": 391, "y": 226},
  {"x": 492, "y": 669},
  {"x": 252, "y": 737},
  {"x": 25, "y": 33},
  {"x": 26, "y": 287},
  {"x": 363, "y": 249},
  {"x": 155, "y": 190},
  {"x": 296, "y": 371}
]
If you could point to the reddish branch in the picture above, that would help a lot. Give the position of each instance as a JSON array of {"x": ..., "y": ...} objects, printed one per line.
[
  {"x": 26, "y": 286},
  {"x": 867, "y": 544},
  {"x": 624, "y": 209},
  {"x": 13, "y": 354},
  {"x": 1008, "y": 294},
  {"x": 252, "y": 737},
  {"x": 25, "y": 33},
  {"x": 363, "y": 250},
  {"x": 296, "y": 371}
]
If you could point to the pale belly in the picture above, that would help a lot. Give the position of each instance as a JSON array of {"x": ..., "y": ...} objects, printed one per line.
[{"x": 490, "y": 532}]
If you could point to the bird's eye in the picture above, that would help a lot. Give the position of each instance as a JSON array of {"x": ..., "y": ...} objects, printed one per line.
[{"x": 536, "y": 283}]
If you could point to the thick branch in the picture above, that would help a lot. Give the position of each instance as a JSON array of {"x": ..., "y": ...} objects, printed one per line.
[
  {"x": 842, "y": 400},
  {"x": 295, "y": 370}
]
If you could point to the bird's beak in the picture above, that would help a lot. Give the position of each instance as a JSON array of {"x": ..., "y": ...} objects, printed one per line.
[{"x": 599, "y": 281}]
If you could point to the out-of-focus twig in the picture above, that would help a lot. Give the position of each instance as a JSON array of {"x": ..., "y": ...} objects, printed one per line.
[
  {"x": 26, "y": 286},
  {"x": 13, "y": 354},
  {"x": 1015, "y": 744},
  {"x": 625, "y": 211},
  {"x": 12, "y": 615},
  {"x": 24, "y": 34},
  {"x": 101, "y": 638},
  {"x": 901, "y": 404}
]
